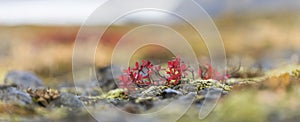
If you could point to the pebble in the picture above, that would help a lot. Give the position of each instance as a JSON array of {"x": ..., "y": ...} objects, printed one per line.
[
  {"x": 67, "y": 100},
  {"x": 169, "y": 93},
  {"x": 9, "y": 94},
  {"x": 23, "y": 79},
  {"x": 106, "y": 79}
]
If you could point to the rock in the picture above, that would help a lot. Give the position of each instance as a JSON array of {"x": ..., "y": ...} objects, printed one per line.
[
  {"x": 7, "y": 88},
  {"x": 146, "y": 102},
  {"x": 10, "y": 94},
  {"x": 67, "y": 100},
  {"x": 211, "y": 93},
  {"x": 23, "y": 79},
  {"x": 153, "y": 91},
  {"x": 106, "y": 78},
  {"x": 90, "y": 100},
  {"x": 187, "y": 88},
  {"x": 215, "y": 90},
  {"x": 82, "y": 88},
  {"x": 90, "y": 89},
  {"x": 132, "y": 108},
  {"x": 170, "y": 93}
]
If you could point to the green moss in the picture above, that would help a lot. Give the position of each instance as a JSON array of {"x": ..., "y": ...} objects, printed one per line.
[
  {"x": 116, "y": 94},
  {"x": 202, "y": 84}
]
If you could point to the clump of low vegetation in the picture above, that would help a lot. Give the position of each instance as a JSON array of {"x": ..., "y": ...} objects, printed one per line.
[
  {"x": 43, "y": 96},
  {"x": 146, "y": 74}
]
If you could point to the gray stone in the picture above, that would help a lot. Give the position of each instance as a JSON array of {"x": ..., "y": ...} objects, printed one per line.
[
  {"x": 211, "y": 94},
  {"x": 105, "y": 76},
  {"x": 169, "y": 93},
  {"x": 13, "y": 95},
  {"x": 67, "y": 100},
  {"x": 23, "y": 79}
]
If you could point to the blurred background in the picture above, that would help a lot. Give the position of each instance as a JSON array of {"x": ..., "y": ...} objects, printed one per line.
[{"x": 38, "y": 35}]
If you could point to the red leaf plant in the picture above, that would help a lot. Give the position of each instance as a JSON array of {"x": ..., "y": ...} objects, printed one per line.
[
  {"x": 208, "y": 72},
  {"x": 142, "y": 74},
  {"x": 176, "y": 70},
  {"x": 139, "y": 75}
]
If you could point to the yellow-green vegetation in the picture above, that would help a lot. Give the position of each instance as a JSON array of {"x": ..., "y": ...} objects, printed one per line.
[
  {"x": 201, "y": 84},
  {"x": 153, "y": 90},
  {"x": 296, "y": 73},
  {"x": 240, "y": 107},
  {"x": 2, "y": 75},
  {"x": 116, "y": 94}
]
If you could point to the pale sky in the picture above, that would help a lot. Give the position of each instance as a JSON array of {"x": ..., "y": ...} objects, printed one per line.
[{"x": 75, "y": 12}]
